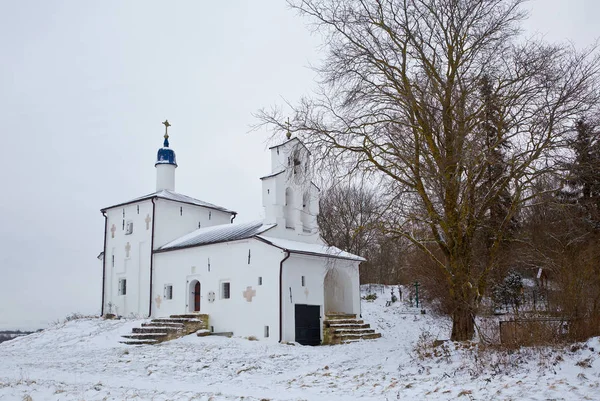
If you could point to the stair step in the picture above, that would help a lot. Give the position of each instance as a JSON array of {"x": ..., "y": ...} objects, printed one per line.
[
  {"x": 343, "y": 321},
  {"x": 357, "y": 331},
  {"x": 371, "y": 336},
  {"x": 349, "y": 326},
  {"x": 144, "y": 336},
  {"x": 336, "y": 316},
  {"x": 139, "y": 342},
  {"x": 176, "y": 320},
  {"x": 163, "y": 324},
  {"x": 189, "y": 316},
  {"x": 156, "y": 329}
]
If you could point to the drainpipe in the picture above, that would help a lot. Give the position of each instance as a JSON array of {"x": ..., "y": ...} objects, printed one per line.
[
  {"x": 151, "y": 257},
  {"x": 104, "y": 262},
  {"x": 281, "y": 294}
]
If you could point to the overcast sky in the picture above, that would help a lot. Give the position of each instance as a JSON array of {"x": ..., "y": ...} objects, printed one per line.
[{"x": 84, "y": 87}]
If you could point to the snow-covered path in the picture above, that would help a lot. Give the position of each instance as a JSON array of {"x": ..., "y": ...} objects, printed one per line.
[{"x": 82, "y": 360}]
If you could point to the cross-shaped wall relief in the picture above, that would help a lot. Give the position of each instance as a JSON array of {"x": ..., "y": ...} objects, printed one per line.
[
  {"x": 112, "y": 231},
  {"x": 127, "y": 249},
  {"x": 158, "y": 300},
  {"x": 148, "y": 220},
  {"x": 249, "y": 293}
]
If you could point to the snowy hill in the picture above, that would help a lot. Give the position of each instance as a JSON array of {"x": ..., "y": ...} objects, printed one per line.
[{"x": 83, "y": 360}]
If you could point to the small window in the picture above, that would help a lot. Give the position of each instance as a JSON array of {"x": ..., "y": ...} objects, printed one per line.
[
  {"x": 168, "y": 291},
  {"x": 249, "y": 255},
  {"x": 226, "y": 290},
  {"x": 123, "y": 213},
  {"x": 112, "y": 260},
  {"x": 122, "y": 286},
  {"x": 129, "y": 228},
  {"x": 303, "y": 282},
  {"x": 123, "y": 224},
  {"x": 199, "y": 225},
  {"x": 260, "y": 281},
  {"x": 138, "y": 209},
  {"x": 209, "y": 214},
  {"x": 181, "y": 211},
  {"x": 266, "y": 331},
  {"x": 209, "y": 264}
]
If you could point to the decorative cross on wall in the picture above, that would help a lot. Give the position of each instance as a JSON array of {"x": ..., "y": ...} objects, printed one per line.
[
  {"x": 158, "y": 300},
  {"x": 148, "y": 220},
  {"x": 249, "y": 293},
  {"x": 127, "y": 249},
  {"x": 112, "y": 231}
]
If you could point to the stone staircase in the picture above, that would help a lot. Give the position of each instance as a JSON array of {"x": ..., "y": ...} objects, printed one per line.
[
  {"x": 340, "y": 328},
  {"x": 165, "y": 329}
]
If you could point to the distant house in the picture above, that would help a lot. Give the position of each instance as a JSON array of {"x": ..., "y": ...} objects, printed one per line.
[{"x": 167, "y": 253}]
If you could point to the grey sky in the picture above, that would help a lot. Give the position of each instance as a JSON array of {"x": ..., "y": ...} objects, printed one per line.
[{"x": 84, "y": 87}]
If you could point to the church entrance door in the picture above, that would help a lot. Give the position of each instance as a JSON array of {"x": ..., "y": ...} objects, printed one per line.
[
  {"x": 197, "y": 297},
  {"x": 308, "y": 324}
]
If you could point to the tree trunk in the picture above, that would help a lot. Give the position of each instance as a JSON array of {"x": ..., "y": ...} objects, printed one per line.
[
  {"x": 463, "y": 324},
  {"x": 462, "y": 292}
]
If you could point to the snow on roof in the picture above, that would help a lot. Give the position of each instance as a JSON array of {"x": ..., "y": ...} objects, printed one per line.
[
  {"x": 174, "y": 196},
  {"x": 220, "y": 233},
  {"x": 310, "y": 249},
  {"x": 272, "y": 175},
  {"x": 291, "y": 140}
]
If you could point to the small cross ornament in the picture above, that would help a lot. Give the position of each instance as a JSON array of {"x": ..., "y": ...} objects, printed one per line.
[
  {"x": 249, "y": 293},
  {"x": 112, "y": 231},
  {"x": 158, "y": 300},
  {"x": 127, "y": 249},
  {"x": 148, "y": 220}
]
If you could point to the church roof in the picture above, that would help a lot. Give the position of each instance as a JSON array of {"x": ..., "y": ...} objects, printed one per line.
[
  {"x": 174, "y": 196},
  {"x": 272, "y": 175},
  {"x": 216, "y": 234},
  {"x": 235, "y": 232},
  {"x": 291, "y": 140},
  {"x": 310, "y": 249}
]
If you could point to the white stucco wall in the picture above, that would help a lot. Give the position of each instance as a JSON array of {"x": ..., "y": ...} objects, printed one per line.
[
  {"x": 313, "y": 293},
  {"x": 174, "y": 219},
  {"x": 228, "y": 262},
  {"x": 135, "y": 268}
]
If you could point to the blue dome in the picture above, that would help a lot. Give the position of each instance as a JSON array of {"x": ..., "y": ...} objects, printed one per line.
[{"x": 165, "y": 154}]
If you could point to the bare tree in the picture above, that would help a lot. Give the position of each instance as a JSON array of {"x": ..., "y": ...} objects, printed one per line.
[
  {"x": 352, "y": 217},
  {"x": 349, "y": 217},
  {"x": 399, "y": 95}
]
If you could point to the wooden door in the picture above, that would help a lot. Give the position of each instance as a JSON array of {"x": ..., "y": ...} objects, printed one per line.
[{"x": 197, "y": 297}]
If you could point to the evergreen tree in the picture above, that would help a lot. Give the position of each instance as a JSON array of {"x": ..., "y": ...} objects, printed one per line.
[
  {"x": 496, "y": 146},
  {"x": 583, "y": 180}
]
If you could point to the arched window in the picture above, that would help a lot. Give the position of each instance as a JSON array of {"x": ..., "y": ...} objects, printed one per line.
[
  {"x": 305, "y": 215},
  {"x": 288, "y": 209}
]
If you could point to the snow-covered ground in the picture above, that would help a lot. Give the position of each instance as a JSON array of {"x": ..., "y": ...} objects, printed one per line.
[{"x": 83, "y": 360}]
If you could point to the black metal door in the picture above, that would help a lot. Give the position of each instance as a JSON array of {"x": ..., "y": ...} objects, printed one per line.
[{"x": 308, "y": 324}]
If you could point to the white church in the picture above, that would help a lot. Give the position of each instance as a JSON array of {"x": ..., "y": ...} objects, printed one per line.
[{"x": 166, "y": 253}]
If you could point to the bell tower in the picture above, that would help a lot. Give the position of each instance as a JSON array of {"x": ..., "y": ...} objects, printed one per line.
[{"x": 290, "y": 198}]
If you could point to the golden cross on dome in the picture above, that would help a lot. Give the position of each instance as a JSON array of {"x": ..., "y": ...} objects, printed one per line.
[{"x": 167, "y": 125}]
